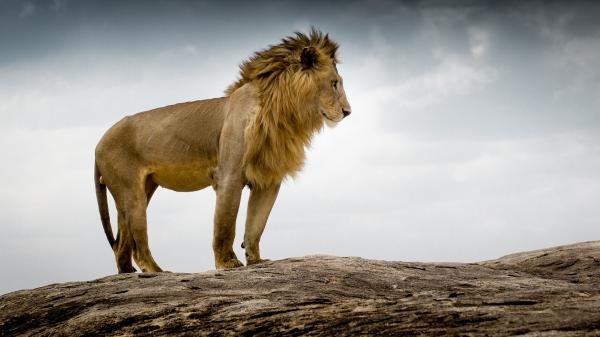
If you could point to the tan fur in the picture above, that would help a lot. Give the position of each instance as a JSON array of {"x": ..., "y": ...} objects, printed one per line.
[{"x": 255, "y": 136}]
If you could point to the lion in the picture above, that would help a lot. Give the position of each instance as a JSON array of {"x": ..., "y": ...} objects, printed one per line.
[{"x": 254, "y": 136}]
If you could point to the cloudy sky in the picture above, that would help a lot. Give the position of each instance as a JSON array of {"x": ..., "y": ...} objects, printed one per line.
[{"x": 475, "y": 129}]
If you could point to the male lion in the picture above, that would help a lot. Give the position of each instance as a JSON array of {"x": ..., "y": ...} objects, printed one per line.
[{"x": 254, "y": 136}]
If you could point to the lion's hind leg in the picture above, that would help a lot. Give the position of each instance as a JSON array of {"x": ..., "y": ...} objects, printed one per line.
[
  {"x": 132, "y": 240},
  {"x": 123, "y": 245},
  {"x": 141, "y": 250},
  {"x": 141, "y": 254}
]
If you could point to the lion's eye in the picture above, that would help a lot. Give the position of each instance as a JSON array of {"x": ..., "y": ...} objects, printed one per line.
[{"x": 334, "y": 83}]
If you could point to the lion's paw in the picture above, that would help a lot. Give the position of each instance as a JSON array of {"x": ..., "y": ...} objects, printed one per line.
[
  {"x": 231, "y": 263},
  {"x": 251, "y": 262}
]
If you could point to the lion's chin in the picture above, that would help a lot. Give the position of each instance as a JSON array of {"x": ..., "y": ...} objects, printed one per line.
[{"x": 330, "y": 122}]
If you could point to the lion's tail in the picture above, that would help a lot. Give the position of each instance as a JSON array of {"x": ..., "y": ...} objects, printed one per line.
[{"x": 103, "y": 206}]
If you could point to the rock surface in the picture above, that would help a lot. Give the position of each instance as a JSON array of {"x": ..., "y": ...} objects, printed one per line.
[{"x": 551, "y": 292}]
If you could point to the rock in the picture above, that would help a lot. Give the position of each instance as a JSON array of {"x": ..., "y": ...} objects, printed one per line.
[{"x": 551, "y": 292}]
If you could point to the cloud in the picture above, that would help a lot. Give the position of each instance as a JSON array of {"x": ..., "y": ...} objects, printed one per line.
[
  {"x": 86, "y": 87},
  {"x": 451, "y": 77},
  {"x": 448, "y": 78},
  {"x": 479, "y": 40},
  {"x": 397, "y": 190},
  {"x": 570, "y": 40},
  {"x": 58, "y": 5},
  {"x": 27, "y": 10}
]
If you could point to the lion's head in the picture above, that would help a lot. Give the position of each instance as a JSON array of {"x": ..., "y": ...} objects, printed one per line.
[
  {"x": 299, "y": 89},
  {"x": 332, "y": 103},
  {"x": 301, "y": 69}
]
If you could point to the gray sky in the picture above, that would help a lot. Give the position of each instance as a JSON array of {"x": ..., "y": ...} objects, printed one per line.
[{"x": 475, "y": 129}]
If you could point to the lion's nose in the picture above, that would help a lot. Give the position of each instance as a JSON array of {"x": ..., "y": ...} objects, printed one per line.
[{"x": 346, "y": 112}]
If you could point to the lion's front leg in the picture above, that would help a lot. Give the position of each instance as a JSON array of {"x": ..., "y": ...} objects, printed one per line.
[
  {"x": 259, "y": 207},
  {"x": 229, "y": 193}
]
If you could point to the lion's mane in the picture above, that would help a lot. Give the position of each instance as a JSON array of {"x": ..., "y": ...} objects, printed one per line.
[{"x": 287, "y": 86}]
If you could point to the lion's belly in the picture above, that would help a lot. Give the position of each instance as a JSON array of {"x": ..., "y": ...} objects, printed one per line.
[{"x": 183, "y": 179}]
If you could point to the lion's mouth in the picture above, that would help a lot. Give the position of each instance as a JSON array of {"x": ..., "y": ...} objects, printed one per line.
[{"x": 329, "y": 119}]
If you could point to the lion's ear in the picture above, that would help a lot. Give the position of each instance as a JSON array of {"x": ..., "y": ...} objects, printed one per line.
[{"x": 308, "y": 57}]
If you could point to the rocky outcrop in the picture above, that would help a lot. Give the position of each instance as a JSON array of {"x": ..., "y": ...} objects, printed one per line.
[{"x": 551, "y": 292}]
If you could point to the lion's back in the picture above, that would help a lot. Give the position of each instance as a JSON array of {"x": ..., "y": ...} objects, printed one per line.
[{"x": 178, "y": 132}]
